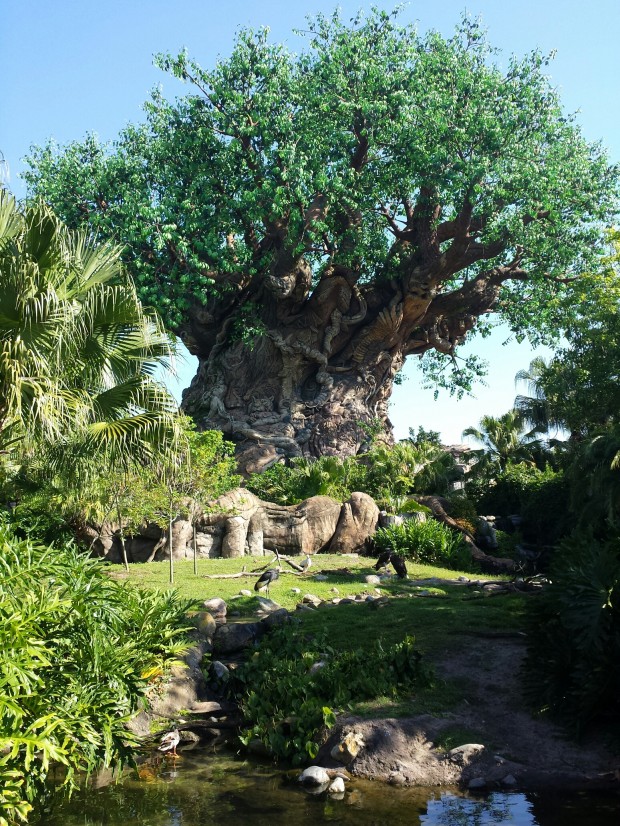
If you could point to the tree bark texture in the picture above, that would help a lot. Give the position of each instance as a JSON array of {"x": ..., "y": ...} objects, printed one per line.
[{"x": 319, "y": 371}]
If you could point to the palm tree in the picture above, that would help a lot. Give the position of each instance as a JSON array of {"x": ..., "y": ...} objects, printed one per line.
[
  {"x": 77, "y": 350},
  {"x": 503, "y": 439}
]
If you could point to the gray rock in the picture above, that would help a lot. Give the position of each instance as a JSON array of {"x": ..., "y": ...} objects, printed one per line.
[
  {"x": 314, "y": 776},
  {"x": 245, "y": 593},
  {"x": 311, "y": 599},
  {"x": 295, "y": 590},
  {"x": 320, "y": 577},
  {"x": 336, "y": 786},
  {"x": 372, "y": 579},
  {"x": 215, "y": 606},
  {"x": 220, "y": 671},
  {"x": 268, "y": 606},
  {"x": 462, "y": 755},
  {"x": 317, "y": 666},
  {"x": 509, "y": 782},
  {"x": 207, "y": 706},
  {"x": 477, "y": 783},
  {"x": 231, "y": 638},
  {"x": 279, "y": 617},
  {"x": 205, "y": 624},
  {"x": 187, "y": 736}
]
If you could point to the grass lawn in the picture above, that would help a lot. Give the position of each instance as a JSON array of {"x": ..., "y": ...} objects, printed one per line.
[{"x": 438, "y": 617}]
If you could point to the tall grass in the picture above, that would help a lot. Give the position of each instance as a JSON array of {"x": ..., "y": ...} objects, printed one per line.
[{"x": 76, "y": 650}]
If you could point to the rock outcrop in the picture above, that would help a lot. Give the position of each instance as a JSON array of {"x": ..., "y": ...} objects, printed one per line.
[{"x": 239, "y": 524}]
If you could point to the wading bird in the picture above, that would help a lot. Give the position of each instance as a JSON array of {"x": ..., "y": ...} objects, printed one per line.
[
  {"x": 265, "y": 580},
  {"x": 169, "y": 742},
  {"x": 305, "y": 563}
]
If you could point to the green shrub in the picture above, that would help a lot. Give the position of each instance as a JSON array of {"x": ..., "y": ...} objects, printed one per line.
[
  {"x": 429, "y": 542},
  {"x": 460, "y": 507},
  {"x": 573, "y": 662},
  {"x": 540, "y": 496},
  {"x": 287, "y": 704},
  {"x": 388, "y": 474},
  {"x": 506, "y": 544},
  {"x": 76, "y": 650}
]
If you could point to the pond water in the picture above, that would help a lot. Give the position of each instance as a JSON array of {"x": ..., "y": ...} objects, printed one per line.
[{"x": 202, "y": 788}]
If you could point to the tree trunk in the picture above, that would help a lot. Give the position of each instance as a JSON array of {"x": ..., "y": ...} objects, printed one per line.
[
  {"x": 277, "y": 403},
  {"x": 122, "y": 537},
  {"x": 313, "y": 378}
]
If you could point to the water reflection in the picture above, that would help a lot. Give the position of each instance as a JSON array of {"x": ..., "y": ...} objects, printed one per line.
[{"x": 201, "y": 789}]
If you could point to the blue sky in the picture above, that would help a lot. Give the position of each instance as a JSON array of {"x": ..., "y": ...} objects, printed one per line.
[{"x": 68, "y": 67}]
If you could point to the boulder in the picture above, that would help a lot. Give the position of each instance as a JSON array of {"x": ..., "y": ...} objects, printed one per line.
[
  {"x": 205, "y": 624},
  {"x": 276, "y": 618},
  {"x": 348, "y": 748},
  {"x": 357, "y": 523},
  {"x": 336, "y": 786},
  {"x": 314, "y": 776},
  {"x": 229, "y": 639}
]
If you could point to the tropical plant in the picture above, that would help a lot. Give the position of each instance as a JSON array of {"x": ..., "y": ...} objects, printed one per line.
[
  {"x": 594, "y": 475},
  {"x": 541, "y": 497},
  {"x": 503, "y": 440},
  {"x": 287, "y": 704},
  {"x": 186, "y": 483},
  {"x": 77, "y": 350},
  {"x": 535, "y": 409},
  {"x": 307, "y": 221},
  {"x": 76, "y": 653},
  {"x": 573, "y": 663},
  {"x": 429, "y": 542}
]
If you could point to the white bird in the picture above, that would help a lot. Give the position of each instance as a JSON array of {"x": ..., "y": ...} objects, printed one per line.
[
  {"x": 170, "y": 741},
  {"x": 305, "y": 563}
]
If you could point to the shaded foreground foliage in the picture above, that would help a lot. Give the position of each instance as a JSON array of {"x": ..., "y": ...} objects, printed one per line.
[
  {"x": 76, "y": 653},
  {"x": 573, "y": 666}
]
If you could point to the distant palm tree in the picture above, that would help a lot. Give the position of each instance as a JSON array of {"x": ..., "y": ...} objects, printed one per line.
[
  {"x": 503, "y": 438},
  {"x": 538, "y": 409},
  {"x": 77, "y": 350}
]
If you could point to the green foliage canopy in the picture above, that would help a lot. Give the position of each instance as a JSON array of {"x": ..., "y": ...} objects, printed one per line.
[{"x": 395, "y": 154}]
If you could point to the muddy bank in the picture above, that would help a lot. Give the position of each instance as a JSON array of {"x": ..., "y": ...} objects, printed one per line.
[{"x": 509, "y": 748}]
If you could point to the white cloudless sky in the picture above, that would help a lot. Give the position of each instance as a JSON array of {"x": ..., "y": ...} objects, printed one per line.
[{"x": 69, "y": 67}]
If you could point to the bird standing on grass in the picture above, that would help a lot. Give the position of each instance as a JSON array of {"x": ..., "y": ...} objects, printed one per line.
[
  {"x": 385, "y": 557},
  {"x": 169, "y": 742},
  {"x": 265, "y": 580},
  {"x": 305, "y": 563},
  {"x": 398, "y": 563}
]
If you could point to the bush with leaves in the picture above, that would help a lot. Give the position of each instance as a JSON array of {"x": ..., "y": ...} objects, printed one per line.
[
  {"x": 573, "y": 662},
  {"x": 540, "y": 496},
  {"x": 287, "y": 704},
  {"x": 76, "y": 653},
  {"x": 429, "y": 542},
  {"x": 388, "y": 474}
]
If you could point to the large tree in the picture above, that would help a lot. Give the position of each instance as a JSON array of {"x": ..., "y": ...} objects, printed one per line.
[{"x": 306, "y": 222}]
